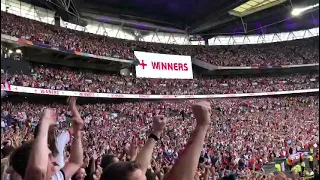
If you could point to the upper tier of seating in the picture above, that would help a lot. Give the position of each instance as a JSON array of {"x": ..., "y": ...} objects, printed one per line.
[{"x": 303, "y": 51}]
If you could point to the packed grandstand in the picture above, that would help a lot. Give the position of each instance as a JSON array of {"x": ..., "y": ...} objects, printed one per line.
[
  {"x": 62, "y": 122},
  {"x": 288, "y": 53}
]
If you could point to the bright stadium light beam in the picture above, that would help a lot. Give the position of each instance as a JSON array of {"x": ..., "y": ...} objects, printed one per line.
[{"x": 298, "y": 11}]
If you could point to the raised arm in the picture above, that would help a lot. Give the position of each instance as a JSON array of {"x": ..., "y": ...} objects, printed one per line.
[
  {"x": 76, "y": 154},
  {"x": 73, "y": 107},
  {"x": 145, "y": 154},
  {"x": 92, "y": 162},
  {"x": 133, "y": 149},
  {"x": 186, "y": 165},
  {"x": 206, "y": 174},
  {"x": 16, "y": 143},
  {"x": 39, "y": 156}
]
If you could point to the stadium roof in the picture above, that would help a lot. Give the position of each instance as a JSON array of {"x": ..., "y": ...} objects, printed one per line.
[
  {"x": 196, "y": 16},
  {"x": 253, "y": 6}
]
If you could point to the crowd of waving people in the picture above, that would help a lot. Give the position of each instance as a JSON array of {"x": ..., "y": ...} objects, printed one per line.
[
  {"x": 303, "y": 51},
  {"x": 232, "y": 138},
  {"x": 63, "y": 78}
]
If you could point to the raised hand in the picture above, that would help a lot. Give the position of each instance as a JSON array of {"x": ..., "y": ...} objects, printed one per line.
[
  {"x": 159, "y": 123},
  {"x": 95, "y": 156},
  {"x": 157, "y": 167},
  {"x": 77, "y": 120},
  {"x": 72, "y": 101},
  {"x": 206, "y": 172},
  {"x": 212, "y": 170},
  {"x": 72, "y": 104},
  {"x": 49, "y": 116},
  {"x": 133, "y": 149},
  {"x": 202, "y": 113},
  {"x": 77, "y": 124}
]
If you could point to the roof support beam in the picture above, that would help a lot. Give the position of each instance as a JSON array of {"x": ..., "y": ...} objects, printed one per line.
[{"x": 244, "y": 25}]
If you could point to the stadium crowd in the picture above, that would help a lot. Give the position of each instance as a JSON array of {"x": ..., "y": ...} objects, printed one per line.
[
  {"x": 87, "y": 81},
  {"x": 244, "y": 134},
  {"x": 303, "y": 51}
]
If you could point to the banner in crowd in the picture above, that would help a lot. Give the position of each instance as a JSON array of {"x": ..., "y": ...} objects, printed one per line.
[
  {"x": 21, "y": 89},
  {"x": 153, "y": 65}
]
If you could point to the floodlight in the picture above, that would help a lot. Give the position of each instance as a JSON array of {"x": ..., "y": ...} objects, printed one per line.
[{"x": 296, "y": 11}]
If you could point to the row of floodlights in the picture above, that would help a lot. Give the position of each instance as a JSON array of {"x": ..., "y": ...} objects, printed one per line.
[{"x": 18, "y": 51}]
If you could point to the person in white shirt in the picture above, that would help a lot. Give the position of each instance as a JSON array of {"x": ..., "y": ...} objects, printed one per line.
[{"x": 61, "y": 141}]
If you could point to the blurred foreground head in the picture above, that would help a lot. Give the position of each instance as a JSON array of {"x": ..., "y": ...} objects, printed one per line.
[
  {"x": 279, "y": 176},
  {"x": 107, "y": 160},
  {"x": 20, "y": 156},
  {"x": 6, "y": 151},
  {"x": 123, "y": 171}
]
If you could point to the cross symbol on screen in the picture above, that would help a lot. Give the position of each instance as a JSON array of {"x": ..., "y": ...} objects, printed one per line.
[{"x": 142, "y": 64}]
